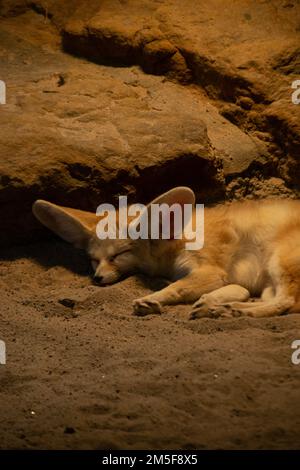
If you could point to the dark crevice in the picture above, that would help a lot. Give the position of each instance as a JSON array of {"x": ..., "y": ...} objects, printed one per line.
[
  {"x": 89, "y": 189},
  {"x": 41, "y": 10}
]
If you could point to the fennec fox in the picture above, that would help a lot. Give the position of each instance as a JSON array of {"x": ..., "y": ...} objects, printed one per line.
[{"x": 251, "y": 249}]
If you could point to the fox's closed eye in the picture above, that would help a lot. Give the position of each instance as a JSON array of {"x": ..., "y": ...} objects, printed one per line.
[
  {"x": 94, "y": 263},
  {"x": 115, "y": 256}
]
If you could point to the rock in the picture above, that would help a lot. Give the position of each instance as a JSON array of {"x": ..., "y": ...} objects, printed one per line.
[
  {"x": 256, "y": 187},
  {"x": 69, "y": 430},
  {"x": 79, "y": 133},
  {"x": 246, "y": 54},
  {"x": 69, "y": 303},
  {"x": 245, "y": 102}
]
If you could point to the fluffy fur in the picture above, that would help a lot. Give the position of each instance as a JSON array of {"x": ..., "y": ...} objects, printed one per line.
[{"x": 251, "y": 249}]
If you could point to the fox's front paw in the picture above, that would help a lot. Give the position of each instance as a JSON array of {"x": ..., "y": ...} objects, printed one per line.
[
  {"x": 146, "y": 306},
  {"x": 202, "y": 308}
]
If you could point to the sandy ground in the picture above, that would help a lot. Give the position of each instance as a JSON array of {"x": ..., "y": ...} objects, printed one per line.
[{"x": 90, "y": 375}]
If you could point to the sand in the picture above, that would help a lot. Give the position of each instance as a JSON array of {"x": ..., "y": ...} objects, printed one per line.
[{"x": 85, "y": 373}]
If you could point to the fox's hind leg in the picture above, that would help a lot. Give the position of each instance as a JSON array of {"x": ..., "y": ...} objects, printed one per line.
[
  {"x": 277, "y": 306},
  {"x": 284, "y": 272},
  {"x": 267, "y": 295},
  {"x": 212, "y": 304}
]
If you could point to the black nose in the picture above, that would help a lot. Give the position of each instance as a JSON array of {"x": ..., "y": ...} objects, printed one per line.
[{"x": 98, "y": 279}]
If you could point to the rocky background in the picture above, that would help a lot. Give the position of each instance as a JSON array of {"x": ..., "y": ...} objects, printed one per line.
[{"x": 110, "y": 97}]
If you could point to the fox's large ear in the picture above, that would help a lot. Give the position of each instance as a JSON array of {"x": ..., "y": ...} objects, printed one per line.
[
  {"x": 72, "y": 225},
  {"x": 165, "y": 226},
  {"x": 180, "y": 195}
]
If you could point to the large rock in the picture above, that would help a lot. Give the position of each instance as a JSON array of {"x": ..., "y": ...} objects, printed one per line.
[
  {"x": 78, "y": 133},
  {"x": 245, "y": 53}
]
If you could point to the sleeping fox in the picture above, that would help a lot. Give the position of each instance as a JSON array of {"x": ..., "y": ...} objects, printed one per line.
[{"x": 251, "y": 249}]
